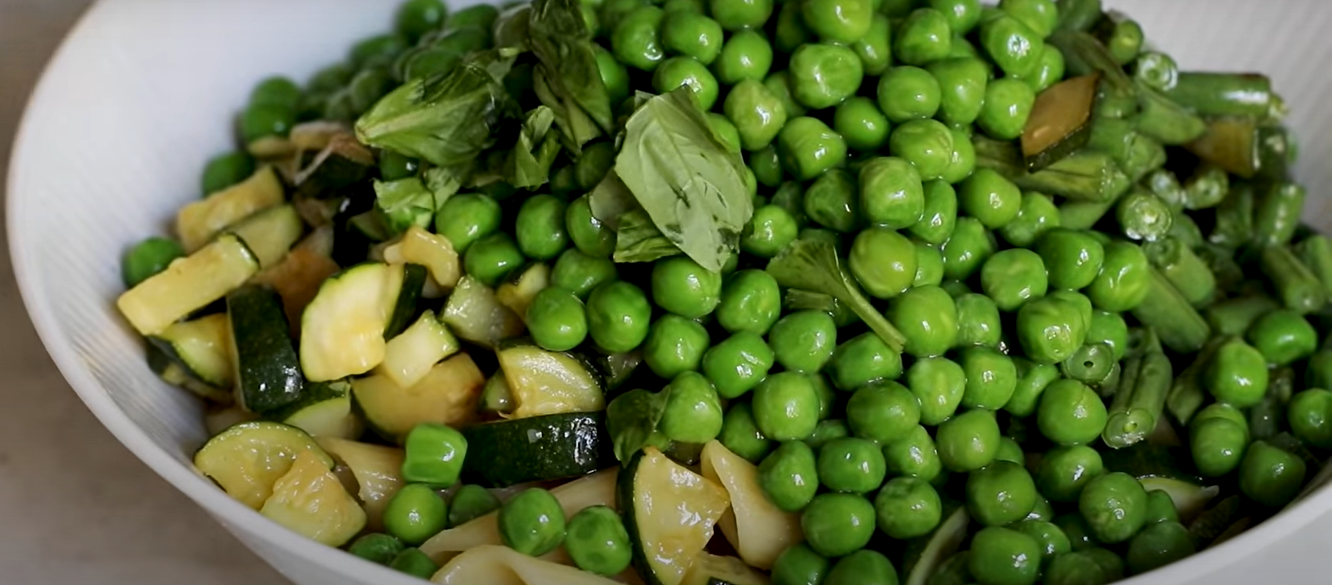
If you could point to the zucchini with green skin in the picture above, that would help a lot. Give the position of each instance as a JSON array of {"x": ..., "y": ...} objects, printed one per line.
[
  {"x": 171, "y": 372},
  {"x": 323, "y": 410},
  {"x": 188, "y": 284},
  {"x": 518, "y": 292},
  {"x": 669, "y": 512},
  {"x": 198, "y": 222},
  {"x": 248, "y": 458},
  {"x": 268, "y": 373},
  {"x": 271, "y": 233},
  {"x": 434, "y": 252},
  {"x": 541, "y": 448},
  {"x": 549, "y": 382},
  {"x": 474, "y": 314},
  {"x": 447, "y": 395},
  {"x": 404, "y": 310},
  {"x": 409, "y": 356},
  {"x": 342, "y": 329},
  {"x": 202, "y": 348}
]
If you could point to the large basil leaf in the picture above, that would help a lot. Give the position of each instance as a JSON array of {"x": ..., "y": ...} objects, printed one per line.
[
  {"x": 691, "y": 186},
  {"x": 530, "y": 160},
  {"x": 637, "y": 240},
  {"x": 631, "y": 420},
  {"x": 610, "y": 199},
  {"x": 567, "y": 78}
]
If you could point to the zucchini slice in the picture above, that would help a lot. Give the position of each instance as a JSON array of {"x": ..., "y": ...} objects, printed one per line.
[
  {"x": 435, "y": 252},
  {"x": 447, "y": 395},
  {"x": 758, "y": 530},
  {"x": 298, "y": 276},
  {"x": 714, "y": 570},
  {"x": 409, "y": 356},
  {"x": 248, "y": 458},
  {"x": 202, "y": 347},
  {"x": 542, "y": 448},
  {"x": 1060, "y": 121},
  {"x": 404, "y": 310},
  {"x": 198, "y": 222},
  {"x": 268, "y": 373},
  {"x": 669, "y": 512},
  {"x": 324, "y": 409},
  {"x": 270, "y": 233},
  {"x": 474, "y": 314},
  {"x": 377, "y": 469},
  {"x": 497, "y": 397},
  {"x": 342, "y": 329},
  {"x": 518, "y": 292},
  {"x": 310, "y": 501},
  {"x": 171, "y": 372},
  {"x": 188, "y": 284},
  {"x": 548, "y": 382}
]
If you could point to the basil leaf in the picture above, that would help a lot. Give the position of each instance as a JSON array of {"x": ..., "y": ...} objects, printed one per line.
[
  {"x": 631, "y": 420},
  {"x": 406, "y": 202},
  {"x": 813, "y": 265},
  {"x": 567, "y": 78},
  {"x": 443, "y": 182},
  {"x": 691, "y": 186},
  {"x": 637, "y": 240},
  {"x": 610, "y": 199},
  {"x": 530, "y": 160},
  {"x": 446, "y": 119}
]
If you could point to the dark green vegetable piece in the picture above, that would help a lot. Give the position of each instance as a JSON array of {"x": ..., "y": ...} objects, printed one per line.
[
  {"x": 225, "y": 170},
  {"x": 376, "y": 547},
  {"x": 415, "y": 563},
  {"x": 1271, "y": 476},
  {"x": 1277, "y": 214},
  {"x": 567, "y": 77},
  {"x": 1184, "y": 269},
  {"x": 1297, "y": 286},
  {"x": 1139, "y": 402},
  {"x": 1174, "y": 319},
  {"x": 148, "y": 258},
  {"x": 1224, "y": 94},
  {"x": 1316, "y": 253},
  {"x": 1083, "y": 176},
  {"x": 814, "y": 266}
]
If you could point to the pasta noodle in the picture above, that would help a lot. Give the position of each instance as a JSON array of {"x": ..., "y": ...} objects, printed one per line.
[{"x": 757, "y": 529}]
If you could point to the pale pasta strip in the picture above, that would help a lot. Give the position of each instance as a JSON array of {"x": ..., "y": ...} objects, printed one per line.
[
  {"x": 757, "y": 529},
  {"x": 499, "y": 565}
]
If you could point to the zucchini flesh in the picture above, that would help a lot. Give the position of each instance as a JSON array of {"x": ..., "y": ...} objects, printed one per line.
[
  {"x": 310, "y": 501},
  {"x": 543, "y": 448},
  {"x": 669, "y": 513},
  {"x": 409, "y": 356},
  {"x": 198, "y": 222},
  {"x": 517, "y": 293},
  {"x": 248, "y": 458},
  {"x": 268, "y": 373},
  {"x": 270, "y": 233},
  {"x": 474, "y": 314},
  {"x": 497, "y": 397},
  {"x": 1229, "y": 143},
  {"x": 323, "y": 410},
  {"x": 342, "y": 329},
  {"x": 714, "y": 570},
  {"x": 758, "y": 530},
  {"x": 447, "y": 395},
  {"x": 1060, "y": 121},
  {"x": 376, "y": 468},
  {"x": 202, "y": 347},
  {"x": 188, "y": 284},
  {"x": 547, "y": 382},
  {"x": 435, "y": 252},
  {"x": 298, "y": 276},
  {"x": 171, "y": 372}
]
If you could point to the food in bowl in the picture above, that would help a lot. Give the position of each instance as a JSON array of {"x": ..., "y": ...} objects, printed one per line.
[{"x": 921, "y": 293}]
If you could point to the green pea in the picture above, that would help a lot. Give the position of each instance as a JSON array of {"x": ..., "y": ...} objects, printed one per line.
[
  {"x": 491, "y": 258},
  {"x": 598, "y": 542},
  {"x": 1114, "y": 506},
  {"x": 786, "y": 406},
  {"x": 837, "y": 524},
  {"x": 746, "y": 55},
  {"x": 693, "y": 412},
  {"x": 962, "y": 15},
  {"x": 148, "y": 258},
  {"x": 464, "y": 40},
  {"x": 471, "y": 502},
  {"x": 1008, "y": 103},
  {"x": 1125, "y": 41},
  {"x": 758, "y": 115},
  {"x": 532, "y": 522},
  {"x": 738, "y": 364},
  {"x": 875, "y": 49},
  {"x": 914, "y": 455},
  {"x": 929, "y": 265},
  {"x": 1160, "y": 507},
  {"x": 1074, "y": 569},
  {"x": 1270, "y": 476},
  {"x": 891, "y": 193},
  {"x": 1310, "y": 417},
  {"x": 861, "y": 360},
  {"x": 927, "y": 144},
  {"x": 968, "y": 441},
  {"x": 1283, "y": 336},
  {"x": 415, "y": 513},
  {"x": 687, "y": 72},
  {"x": 923, "y": 37},
  {"x": 883, "y": 262},
  {"x": 1033, "y": 378},
  {"x": 790, "y": 31},
  {"x": 225, "y": 170},
  {"x": 415, "y": 563},
  {"x": 681, "y": 286},
  {"x": 940, "y": 213},
  {"x": 766, "y": 165},
  {"x": 831, "y": 201},
  {"x": 636, "y": 41},
  {"x": 990, "y": 198},
  {"x": 883, "y": 412},
  {"x": 579, "y": 273},
  {"x": 415, "y": 18},
  {"x": 1073, "y": 259},
  {"x": 540, "y": 227},
  {"x": 963, "y": 162},
  {"x": 1124, "y": 279},
  {"x": 741, "y": 436},
  {"x": 1013, "y": 46},
  {"x": 770, "y": 230},
  {"x": 557, "y": 320},
  {"x": 804, "y": 341},
  {"x": 861, "y": 123},
  {"x": 480, "y": 16},
  {"x": 908, "y": 93},
  {"x": 674, "y": 345},
  {"x": 1040, "y": 16},
  {"x": 618, "y": 316},
  {"x": 264, "y": 120},
  {"x": 827, "y": 431},
  {"x": 800, "y": 565},
  {"x": 927, "y": 318},
  {"x": 1217, "y": 445},
  {"x": 377, "y": 51},
  {"x": 1111, "y": 330},
  {"x": 824, "y": 75},
  {"x": 838, "y": 21},
  {"x": 1003, "y": 556},
  {"x": 1050, "y": 70},
  {"x": 330, "y": 78},
  {"x": 1070, "y": 413},
  {"x": 377, "y": 548},
  {"x": 907, "y": 507},
  {"x": 1159, "y": 545},
  {"x": 967, "y": 248},
  {"x": 1053, "y": 541},
  {"x": 962, "y": 88},
  {"x": 1237, "y": 374},
  {"x": 863, "y": 567},
  {"x": 789, "y": 476},
  {"x": 1012, "y": 277},
  {"x": 589, "y": 235},
  {"x": 991, "y": 378},
  {"x": 938, "y": 384},
  {"x": 692, "y": 34},
  {"x": 1037, "y": 215},
  {"x": 852, "y": 465},
  {"x": 977, "y": 321},
  {"x": 750, "y": 301},
  {"x": 613, "y": 75},
  {"x": 1050, "y": 330},
  {"x": 1078, "y": 532},
  {"x": 367, "y": 87},
  {"x": 1000, "y": 493},
  {"x": 736, "y": 15},
  {"x": 809, "y": 147},
  {"x": 1011, "y": 451},
  {"x": 1065, "y": 471}
]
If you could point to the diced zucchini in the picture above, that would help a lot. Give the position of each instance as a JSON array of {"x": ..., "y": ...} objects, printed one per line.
[
  {"x": 927, "y": 554},
  {"x": 198, "y": 222},
  {"x": 518, "y": 292},
  {"x": 188, "y": 284},
  {"x": 377, "y": 469},
  {"x": 543, "y": 448},
  {"x": 310, "y": 501},
  {"x": 669, "y": 512},
  {"x": 219, "y": 419},
  {"x": 323, "y": 410},
  {"x": 497, "y": 397},
  {"x": 298, "y": 276},
  {"x": 549, "y": 382},
  {"x": 1059, "y": 123},
  {"x": 474, "y": 314},
  {"x": 447, "y": 395},
  {"x": 202, "y": 347},
  {"x": 268, "y": 373},
  {"x": 405, "y": 310},
  {"x": 341, "y": 162},
  {"x": 409, "y": 356},
  {"x": 342, "y": 329},
  {"x": 435, "y": 252},
  {"x": 248, "y": 458},
  {"x": 270, "y": 233},
  {"x": 714, "y": 570},
  {"x": 175, "y": 374},
  {"x": 758, "y": 530}
]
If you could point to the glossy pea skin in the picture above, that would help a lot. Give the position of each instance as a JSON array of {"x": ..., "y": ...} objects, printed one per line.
[
  {"x": 1114, "y": 506},
  {"x": 467, "y": 218},
  {"x": 148, "y": 258},
  {"x": 747, "y": 54},
  {"x": 962, "y": 15},
  {"x": 264, "y": 120},
  {"x": 415, "y": 18},
  {"x": 1110, "y": 329},
  {"x": 1237, "y": 374},
  {"x": 876, "y": 47},
  {"x": 674, "y": 345},
  {"x": 540, "y": 227},
  {"x": 1217, "y": 444},
  {"x": 770, "y": 230},
  {"x": 598, "y": 542},
  {"x": 618, "y": 316},
  {"x": 883, "y": 412},
  {"x": 1070, "y": 413},
  {"x": 961, "y": 82},
  {"x": 990, "y": 198},
  {"x": 804, "y": 341},
  {"x": 800, "y": 565},
  {"x": 1161, "y": 507},
  {"x": 883, "y": 262},
  {"x": 1065, "y": 471},
  {"x": 1008, "y": 103},
  {"x": 367, "y": 87},
  {"x": 891, "y": 193},
  {"x": 991, "y": 378},
  {"x": 837, "y": 21},
  {"x": 377, "y": 548},
  {"x": 927, "y": 318},
  {"x": 789, "y": 476},
  {"x": 1270, "y": 476},
  {"x": 580, "y": 273},
  {"x": 693, "y": 412},
  {"x": 809, "y": 147},
  {"x": 225, "y": 170},
  {"x": 824, "y": 75},
  {"x": 908, "y": 93},
  {"x": 750, "y": 301},
  {"x": 1310, "y": 416},
  {"x": 831, "y": 201},
  {"x": 741, "y": 436},
  {"x": 636, "y": 41},
  {"x": 907, "y": 507},
  {"x": 1072, "y": 258},
  {"x": 1050, "y": 70},
  {"x": 1158, "y": 545},
  {"x": 1053, "y": 541},
  {"x": 863, "y": 567},
  {"x": 491, "y": 258},
  {"x": 1033, "y": 378},
  {"x": 1013, "y": 46},
  {"x": 1011, "y": 451},
  {"x": 757, "y": 114},
  {"x": 977, "y": 321},
  {"x": 557, "y": 320},
  {"x": 861, "y": 124},
  {"x": 735, "y": 15},
  {"x": 851, "y": 464},
  {"x": 693, "y": 35},
  {"x": 967, "y": 248},
  {"x": 1124, "y": 279},
  {"x": 1036, "y": 216},
  {"x": 681, "y": 286},
  {"x": 532, "y": 522},
  {"x": 738, "y": 364},
  {"x": 963, "y": 162},
  {"x": 939, "y": 213},
  {"x": 588, "y": 234},
  {"x": 929, "y": 265},
  {"x": 786, "y": 406},
  {"x": 1041, "y": 16},
  {"x": 923, "y": 37},
  {"x": 1012, "y": 277},
  {"x": 767, "y": 166},
  {"x": 861, "y": 360},
  {"x": 938, "y": 384},
  {"x": 914, "y": 455},
  {"x": 1050, "y": 330},
  {"x": 926, "y": 144},
  {"x": 613, "y": 75},
  {"x": 470, "y": 502},
  {"x": 1000, "y": 493},
  {"x": 415, "y": 513},
  {"x": 837, "y": 524},
  {"x": 1003, "y": 556},
  {"x": 1282, "y": 336},
  {"x": 687, "y": 72},
  {"x": 968, "y": 441}
]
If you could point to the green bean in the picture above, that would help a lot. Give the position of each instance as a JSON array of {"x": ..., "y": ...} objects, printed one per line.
[
  {"x": 1295, "y": 284},
  {"x": 1184, "y": 269},
  {"x": 1078, "y": 15},
  {"x": 1140, "y": 400},
  {"x": 1083, "y": 215},
  {"x": 1223, "y": 94},
  {"x": 1180, "y": 326},
  {"x": 1143, "y": 216},
  {"x": 1186, "y": 392},
  {"x": 1091, "y": 363},
  {"x": 1277, "y": 214},
  {"x": 1233, "y": 316},
  {"x": 1234, "y": 224},
  {"x": 1316, "y": 252}
]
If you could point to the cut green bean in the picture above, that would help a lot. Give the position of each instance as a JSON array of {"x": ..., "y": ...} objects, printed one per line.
[
  {"x": 1184, "y": 269},
  {"x": 1180, "y": 326},
  {"x": 1143, "y": 216},
  {"x": 1224, "y": 94},
  {"x": 1297, "y": 286},
  {"x": 1140, "y": 400},
  {"x": 1233, "y": 226},
  {"x": 1186, "y": 392},
  {"x": 1086, "y": 175},
  {"x": 1277, "y": 214},
  {"x": 1316, "y": 252},
  {"x": 1233, "y": 316},
  {"x": 1090, "y": 363}
]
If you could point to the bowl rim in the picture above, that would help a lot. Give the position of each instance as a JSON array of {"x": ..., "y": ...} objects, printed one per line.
[{"x": 232, "y": 515}]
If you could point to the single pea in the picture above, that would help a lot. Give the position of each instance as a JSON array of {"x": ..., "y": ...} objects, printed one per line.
[
  {"x": 1000, "y": 493},
  {"x": 148, "y": 258},
  {"x": 613, "y": 75},
  {"x": 800, "y": 565},
  {"x": 750, "y": 301},
  {"x": 758, "y": 115},
  {"x": 837, "y": 524},
  {"x": 1053, "y": 541},
  {"x": 741, "y": 436},
  {"x": 1158, "y": 545},
  {"x": 804, "y": 341},
  {"x": 636, "y": 41},
  {"x": 690, "y": 6},
  {"x": 598, "y": 542},
  {"x": 1077, "y": 530},
  {"x": 875, "y": 49},
  {"x": 968, "y": 441},
  {"x": 863, "y": 567},
  {"x": 463, "y": 40},
  {"x": 747, "y": 54},
  {"x": 923, "y": 37},
  {"x": 693, "y": 412},
  {"x": 1013, "y": 46},
  {"x": 1114, "y": 506},
  {"x": 589, "y": 235},
  {"x": 1270, "y": 476},
  {"x": 415, "y": 513},
  {"x": 929, "y": 265},
  {"x": 394, "y": 166},
  {"x": 470, "y": 502},
  {"x": 738, "y": 364},
  {"x": 415, "y": 18},
  {"x": 1050, "y": 329},
  {"x": 1049, "y": 71},
  {"x": 674, "y": 345},
  {"x": 1283, "y": 336},
  {"x": 1161, "y": 507},
  {"x": 827, "y": 431},
  {"x": 1033, "y": 378},
  {"x": 687, "y": 72},
  {"x": 860, "y": 122},
  {"x": 861, "y": 360},
  {"x": 276, "y": 91},
  {"x": 891, "y": 193},
  {"x": 1008, "y": 103},
  {"x": 770, "y": 230},
  {"x": 824, "y": 75},
  {"x": 908, "y": 93},
  {"x": 883, "y": 262},
  {"x": 377, "y": 548},
  {"x": 852, "y": 465},
  {"x": 618, "y": 316},
  {"x": 914, "y": 455},
  {"x": 831, "y": 201},
  {"x": 907, "y": 507},
  {"x": 1036, "y": 216},
  {"x": 1074, "y": 569},
  {"x": 1237, "y": 374},
  {"x": 990, "y": 198},
  {"x": 692, "y": 34},
  {"x": 557, "y": 319},
  {"x": 940, "y": 213},
  {"x": 612, "y": 12},
  {"x": 264, "y": 120},
  {"x": 1012, "y": 277},
  {"x": 1011, "y": 451},
  {"x": 1003, "y": 556},
  {"x": 434, "y": 455},
  {"x": 927, "y": 144},
  {"x": 1124, "y": 279},
  {"x": 532, "y": 522},
  {"x": 1065, "y": 471},
  {"x": 1070, "y": 413},
  {"x": 967, "y": 248},
  {"x": 927, "y": 318},
  {"x": 1072, "y": 258},
  {"x": 540, "y": 227},
  {"x": 962, "y": 88},
  {"x": 991, "y": 378},
  {"x": 838, "y": 21},
  {"x": 330, "y": 78},
  {"x": 790, "y": 198},
  {"x": 790, "y": 30},
  {"x": 1125, "y": 40},
  {"x": 736, "y": 15},
  {"x": 977, "y": 321},
  {"x": 963, "y": 162},
  {"x": 938, "y": 384},
  {"x": 596, "y": 160},
  {"x": 786, "y": 406},
  {"x": 1040, "y": 16},
  {"x": 789, "y": 476},
  {"x": 491, "y": 258},
  {"x": 1109, "y": 329},
  {"x": 962, "y": 15},
  {"x": 1218, "y": 436},
  {"x": 466, "y": 218},
  {"x": 368, "y": 86},
  {"x": 225, "y": 170},
  {"x": 1310, "y": 416},
  {"x": 681, "y": 286},
  {"x": 415, "y": 563},
  {"x": 883, "y": 412},
  {"x": 1043, "y": 512},
  {"x": 767, "y": 166},
  {"x": 809, "y": 147},
  {"x": 481, "y": 16}
]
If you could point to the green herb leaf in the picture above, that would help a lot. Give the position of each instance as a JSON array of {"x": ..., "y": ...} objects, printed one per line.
[
  {"x": 567, "y": 78},
  {"x": 813, "y": 265},
  {"x": 444, "y": 182},
  {"x": 446, "y": 119},
  {"x": 611, "y": 199},
  {"x": 691, "y": 186},
  {"x": 406, "y": 202},
  {"x": 529, "y": 162},
  {"x": 631, "y": 420},
  {"x": 637, "y": 240}
]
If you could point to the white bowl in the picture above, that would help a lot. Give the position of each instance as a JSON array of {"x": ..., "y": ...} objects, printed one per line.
[{"x": 142, "y": 93}]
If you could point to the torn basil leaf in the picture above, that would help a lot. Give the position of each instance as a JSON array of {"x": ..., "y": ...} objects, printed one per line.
[
  {"x": 631, "y": 421},
  {"x": 689, "y": 183},
  {"x": 406, "y": 202},
  {"x": 566, "y": 77},
  {"x": 813, "y": 265},
  {"x": 637, "y": 240},
  {"x": 610, "y": 199},
  {"x": 529, "y": 162}
]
